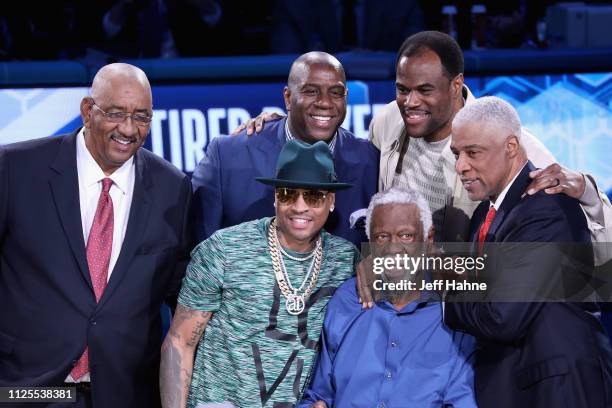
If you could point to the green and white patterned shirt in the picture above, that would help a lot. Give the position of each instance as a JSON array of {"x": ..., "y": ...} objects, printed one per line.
[{"x": 253, "y": 353}]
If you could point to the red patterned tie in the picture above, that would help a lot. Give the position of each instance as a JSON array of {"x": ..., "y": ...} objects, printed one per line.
[
  {"x": 484, "y": 228},
  {"x": 99, "y": 247}
]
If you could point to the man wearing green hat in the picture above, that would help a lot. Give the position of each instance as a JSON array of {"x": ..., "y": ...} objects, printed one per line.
[{"x": 259, "y": 291}]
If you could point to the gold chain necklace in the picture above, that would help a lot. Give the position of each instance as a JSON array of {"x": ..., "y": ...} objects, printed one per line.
[{"x": 295, "y": 301}]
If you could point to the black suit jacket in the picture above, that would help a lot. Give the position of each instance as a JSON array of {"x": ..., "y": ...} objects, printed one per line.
[
  {"x": 545, "y": 354},
  {"x": 48, "y": 311}
]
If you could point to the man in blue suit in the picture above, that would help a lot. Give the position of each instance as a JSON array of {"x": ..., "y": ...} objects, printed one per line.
[
  {"x": 94, "y": 235},
  {"x": 531, "y": 353},
  {"x": 225, "y": 190}
]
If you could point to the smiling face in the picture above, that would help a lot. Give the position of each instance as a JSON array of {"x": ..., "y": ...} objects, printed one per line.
[
  {"x": 426, "y": 97},
  {"x": 397, "y": 229},
  {"x": 486, "y": 160},
  {"x": 298, "y": 223},
  {"x": 115, "y": 90},
  {"x": 315, "y": 99}
]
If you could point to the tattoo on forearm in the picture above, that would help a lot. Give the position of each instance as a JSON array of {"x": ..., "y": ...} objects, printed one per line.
[
  {"x": 176, "y": 359},
  {"x": 196, "y": 333},
  {"x": 170, "y": 376},
  {"x": 183, "y": 315}
]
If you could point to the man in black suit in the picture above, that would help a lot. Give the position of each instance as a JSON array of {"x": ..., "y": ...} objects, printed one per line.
[
  {"x": 93, "y": 237},
  {"x": 531, "y": 353}
]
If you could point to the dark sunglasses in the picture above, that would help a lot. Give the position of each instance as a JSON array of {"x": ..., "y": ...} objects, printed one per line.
[{"x": 312, "y": 198}]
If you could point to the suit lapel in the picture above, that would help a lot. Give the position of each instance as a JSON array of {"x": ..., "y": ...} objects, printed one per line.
[
  {"x": 514, "y": 195},
  {"x": 345, "y": 158},
  {"x": 265, "y": 148},
  {"x": 137, "y": 222},
  {"x": 64, "y": 182}
]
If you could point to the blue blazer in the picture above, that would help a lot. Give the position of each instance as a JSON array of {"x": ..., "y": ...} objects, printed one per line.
[
  {"x": 48, "y": 310},
  {"x": 535, "y": 354},
  {"x": 226, "y": 192}
]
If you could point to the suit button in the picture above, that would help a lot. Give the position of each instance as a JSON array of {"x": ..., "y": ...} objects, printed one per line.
[
  {"x": 74, "y": 362},
  {"x": 93, "y": 322}
]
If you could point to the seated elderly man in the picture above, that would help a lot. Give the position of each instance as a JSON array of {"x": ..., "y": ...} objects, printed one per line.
[
  {"x": 259, "y": 290},
  {"x": 399, "y": 353}
]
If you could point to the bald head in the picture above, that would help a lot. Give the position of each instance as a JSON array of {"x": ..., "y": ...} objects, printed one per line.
[
  {"x": 112, "y": 74},
  {"x": 304, "y": 62},
  {"x": 315, "y": 97},
  {"x": 117, "y": 115}
]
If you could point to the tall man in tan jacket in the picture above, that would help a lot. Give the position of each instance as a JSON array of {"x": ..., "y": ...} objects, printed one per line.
[{"x": 413, "y": 135}]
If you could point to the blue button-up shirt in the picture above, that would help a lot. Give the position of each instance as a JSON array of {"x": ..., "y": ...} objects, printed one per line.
[{"x": 383, "y": 357}]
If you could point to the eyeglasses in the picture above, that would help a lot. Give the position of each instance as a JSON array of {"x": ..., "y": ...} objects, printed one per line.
[
  {"x": 312, "y": 198},
  {"x": 120, "y": 117}
]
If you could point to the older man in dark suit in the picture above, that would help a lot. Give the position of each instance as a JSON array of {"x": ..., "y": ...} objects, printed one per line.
[
  {"x": 532, "y": 353},
  {"x": 93, "y": 237}
]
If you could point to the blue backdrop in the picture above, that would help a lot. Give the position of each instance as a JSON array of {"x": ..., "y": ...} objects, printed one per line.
[{"x": 570, "y": 113}]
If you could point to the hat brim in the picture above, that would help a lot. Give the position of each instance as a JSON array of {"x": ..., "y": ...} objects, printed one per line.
[{"x": 301, "y": 184}]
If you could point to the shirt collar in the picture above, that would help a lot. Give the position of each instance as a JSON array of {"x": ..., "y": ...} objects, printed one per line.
[
  {"x": 289, "y": 136},
  {"x": 91, "y": 173},
  {"x": 500, "y": 198},
  {"x": 425, "y": 297}
]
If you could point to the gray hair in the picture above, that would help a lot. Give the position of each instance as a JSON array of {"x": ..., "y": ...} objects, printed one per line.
[
  {"x": 490, "y": 110},
  {"x": 396, "y": 195}
]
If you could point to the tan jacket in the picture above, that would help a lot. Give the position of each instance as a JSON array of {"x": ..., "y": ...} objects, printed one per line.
[{"x": 388, "y": 134}]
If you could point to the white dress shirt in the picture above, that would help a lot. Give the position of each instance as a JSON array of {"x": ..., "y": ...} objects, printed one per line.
[{"x": 90, "y": 186}]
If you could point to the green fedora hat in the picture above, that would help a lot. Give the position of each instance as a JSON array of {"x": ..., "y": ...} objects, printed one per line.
[{"x": 301, "y": 165}]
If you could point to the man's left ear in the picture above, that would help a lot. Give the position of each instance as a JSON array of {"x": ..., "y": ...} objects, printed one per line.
[
  {"x": 457, "y": 85},
  {"x": 512, "y": 145}
]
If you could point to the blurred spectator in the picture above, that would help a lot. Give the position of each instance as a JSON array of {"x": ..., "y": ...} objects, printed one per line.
[
  {"x": 196, "y": 26},
  {"x": 109, "y": 30},
  {"x": 133, "y": 28},
  {"x": 4, "y": 39},
  {"x": 34, "y": 30},
  {"x": 506, "y": 26},
  {"x": 510, "y": 24},
  {"x": 220, "y": 27},
  {"x": 299, "y": 26},
  {"x": 337, "y": 25}
]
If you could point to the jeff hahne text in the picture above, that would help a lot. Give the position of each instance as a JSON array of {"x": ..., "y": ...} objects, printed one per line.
[{"x": 398, "y": 272}]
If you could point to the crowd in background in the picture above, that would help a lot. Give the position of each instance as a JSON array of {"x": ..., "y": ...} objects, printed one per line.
[{"x": 109, "y": 30}]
